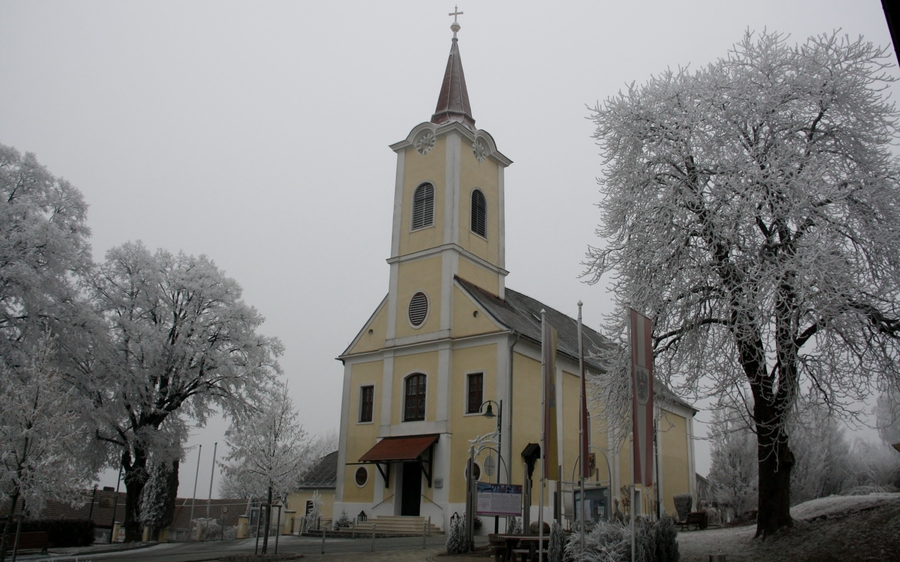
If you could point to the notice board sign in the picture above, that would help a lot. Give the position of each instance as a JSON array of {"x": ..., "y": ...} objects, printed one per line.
[{"x": 499, "y": 500}]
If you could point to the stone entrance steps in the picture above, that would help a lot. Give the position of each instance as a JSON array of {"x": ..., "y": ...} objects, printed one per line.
[{"x": 398, "y": 526}]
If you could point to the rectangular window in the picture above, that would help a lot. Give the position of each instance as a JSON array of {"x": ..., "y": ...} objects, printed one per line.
[
  {"x": 475, "y": 393},
  {"x": 366, "y": 403}
]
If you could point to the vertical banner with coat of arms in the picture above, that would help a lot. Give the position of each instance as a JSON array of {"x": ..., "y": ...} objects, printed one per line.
[
  {"x": 642, "y": 396},
  {"x": 548, "y": 363}
]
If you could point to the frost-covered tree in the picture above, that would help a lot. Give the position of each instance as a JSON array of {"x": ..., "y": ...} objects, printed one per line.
[
  {"x": 270, "y": 450},
  {"x": 733, "y": 467},
  {"x": 457, "y": 542},
  {"x": 179, "y": 344},
  {"x": 887, "y": 416},
  {"x": 557, "y": 546},
  {"x": 43, "y": 437},
  {"x": 822, "y": 452},
  {"x": 872, "y": 466},
  {"x": 750, "y": 210},
  {"x": 44, "y": 250}
]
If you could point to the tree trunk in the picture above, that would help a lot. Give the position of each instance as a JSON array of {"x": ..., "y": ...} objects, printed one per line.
[
  {"x": 135, "y": 476},
  {"x": 775, "y": 463},
  {"x": 8, "y": 527},
  {"x": 268, "y": 521}
]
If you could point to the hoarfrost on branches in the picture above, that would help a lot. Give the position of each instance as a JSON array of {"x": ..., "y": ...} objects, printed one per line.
[
  {"x": 44, "y": 250},
  {"x": 179, "y": 344},
  {"x": 270, "y": 450},
  {"x": 750, "y": 210},
  {"x": 42, "y": 437}
]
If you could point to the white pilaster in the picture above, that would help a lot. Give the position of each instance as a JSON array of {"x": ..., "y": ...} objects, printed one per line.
[
  {"x": 387, "y": 392},
  {"x": 342, "y": 440},
  {"x": 443, "y": 384},
  {"x": 449, "y": 267},
  {"x": 398, "y": 203},
  {"x": 452, "y": 164},
  {"x": 501, "y": 232},
  {"x": 393, "y": 284}
]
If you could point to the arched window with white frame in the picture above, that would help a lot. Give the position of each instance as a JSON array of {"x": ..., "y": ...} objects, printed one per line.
[
  {"x": 423, "y": 206},
  {"x": 414, "y": 397},
  {"x": 479, "y": 213}
]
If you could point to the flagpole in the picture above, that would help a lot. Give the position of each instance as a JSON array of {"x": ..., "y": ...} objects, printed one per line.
[
  {"x": 582, "y": 457},
  {"x": 543, "y": 437},
  {"x": 631, "y": 340}
]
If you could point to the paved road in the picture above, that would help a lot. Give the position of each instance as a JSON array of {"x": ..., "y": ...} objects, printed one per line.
[{"x": 336, "y": 550}]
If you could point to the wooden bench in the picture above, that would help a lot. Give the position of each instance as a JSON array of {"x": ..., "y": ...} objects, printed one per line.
[
  {"x": 522, "y": 554},
  {"x": 695, "y": 518},
  {"x": 36, "y": 540},
  {"x": 498, "y": 547}
]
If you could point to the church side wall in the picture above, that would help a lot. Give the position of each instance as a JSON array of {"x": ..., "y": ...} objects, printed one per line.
[
  {"x": 468, "y": 319},
  {"x": 465, "y": 426},
  {"x": 404, "y": 365},
  {"x": 674, "y": 465},
  {"x": 360, "y": 436},
  {"x": 475, "y": 273},
  {"x": 375, "y": 340}
]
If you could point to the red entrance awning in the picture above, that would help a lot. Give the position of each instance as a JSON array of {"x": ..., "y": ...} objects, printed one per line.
[{"x": 397, "y": 449}]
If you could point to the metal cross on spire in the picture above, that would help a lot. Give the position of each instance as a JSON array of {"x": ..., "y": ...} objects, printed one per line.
[{"x": 455, "y": 25}]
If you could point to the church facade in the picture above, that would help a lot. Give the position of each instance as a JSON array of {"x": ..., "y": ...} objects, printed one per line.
[{"x": 450, "y": 340}]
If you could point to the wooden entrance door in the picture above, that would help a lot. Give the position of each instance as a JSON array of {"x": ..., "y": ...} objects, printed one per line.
[{"x": 411, "y": 491}]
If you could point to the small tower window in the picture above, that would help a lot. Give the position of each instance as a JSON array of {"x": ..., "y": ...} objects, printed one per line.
[
  {"x": 423, "y": 206},
  {"x": 479, "y": 213}
]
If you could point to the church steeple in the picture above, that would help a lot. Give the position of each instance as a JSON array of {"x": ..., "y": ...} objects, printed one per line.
[{"x": 453, "y": 102}]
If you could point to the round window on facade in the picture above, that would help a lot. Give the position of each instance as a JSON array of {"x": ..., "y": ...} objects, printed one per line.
[
  {"x": 476, "y": 471},
  {"x": 418, "y": 309},
  {"x": 362, "y": 476}
]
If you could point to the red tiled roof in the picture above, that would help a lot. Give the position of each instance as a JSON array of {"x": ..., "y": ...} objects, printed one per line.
[{"x": 392, "y": 449}]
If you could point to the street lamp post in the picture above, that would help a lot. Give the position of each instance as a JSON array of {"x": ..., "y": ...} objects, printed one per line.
[{"x": 489, "y": 413}]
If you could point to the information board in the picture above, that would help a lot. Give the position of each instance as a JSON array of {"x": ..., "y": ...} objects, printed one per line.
[{"x": 500, "y": 500}]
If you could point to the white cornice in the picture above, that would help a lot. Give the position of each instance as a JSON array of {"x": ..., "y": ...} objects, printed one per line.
[
  {"x": 407, "y": 346},
  {"x": 437, "y": 250},
  {"x": 454, "y": 127}
]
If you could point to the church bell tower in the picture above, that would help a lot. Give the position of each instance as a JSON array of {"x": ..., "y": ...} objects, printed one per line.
[{"x": 448, "y": 214}]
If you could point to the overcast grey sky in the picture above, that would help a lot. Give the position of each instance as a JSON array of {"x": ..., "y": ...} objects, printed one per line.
[{"x": 257, "y": 133}]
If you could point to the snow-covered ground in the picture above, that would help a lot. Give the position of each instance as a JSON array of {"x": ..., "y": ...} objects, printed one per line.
[{"x": 846, "y": 528}]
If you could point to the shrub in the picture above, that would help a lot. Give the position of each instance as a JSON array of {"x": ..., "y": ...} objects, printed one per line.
[
  {"x": 611, "y": 542},
  {"x": 557, "y": 543},
  {"x": 342, "y": 521},
  {"x": 457, "y": 540},
  {"x": 666, "y": 540},
  {"x": 513, "y": 527},
  {"x": 607, "y": 542},
  {"x": 683, "y": 505},
  {"x": 644, "y": 540}
]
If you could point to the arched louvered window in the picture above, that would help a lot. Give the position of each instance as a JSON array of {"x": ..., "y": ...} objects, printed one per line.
[
  {"x": 423, "y": 206},
  {"x": 414, "y": 407},
  {"x": 479, "y": 213}
]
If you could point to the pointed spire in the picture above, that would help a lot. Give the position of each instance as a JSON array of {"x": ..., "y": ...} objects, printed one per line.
[{"x": 453, "y": 102}]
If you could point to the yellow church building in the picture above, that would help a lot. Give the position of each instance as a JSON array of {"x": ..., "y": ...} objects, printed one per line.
[{"x": 450, "y": 341}]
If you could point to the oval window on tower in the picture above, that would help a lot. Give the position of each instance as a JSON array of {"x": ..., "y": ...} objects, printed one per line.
[{"x": 418, "y": 309}]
